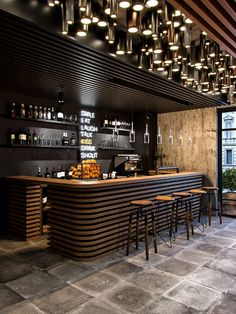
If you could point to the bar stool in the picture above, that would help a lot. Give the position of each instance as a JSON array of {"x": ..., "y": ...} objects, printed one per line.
[
  {"x": 184, "y": 202},
  {"x": 202, "y": 212},
  {"x": 136, "y": 217},
  {"x": 170, "y": 214},
  {"x": 213, "y": 192}
]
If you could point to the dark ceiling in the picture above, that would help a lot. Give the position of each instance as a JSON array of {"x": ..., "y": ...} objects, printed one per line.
[{"x": 37, "y": 62}]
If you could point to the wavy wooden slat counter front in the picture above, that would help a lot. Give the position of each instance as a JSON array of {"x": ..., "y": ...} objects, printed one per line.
[{"x": 90, "y": 219}]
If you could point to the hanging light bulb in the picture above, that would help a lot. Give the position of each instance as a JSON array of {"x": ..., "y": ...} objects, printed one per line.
[
  {"x": 159, "y": 136},
  {"x": 133, "y": 21},
  {"x": 124, "y": 4},
  {"x": 140, "y": 60},
  {"x": 146, "y": 136},
  {"x": 51, "y": 3},
  {"x": 64, "y": 25},
  {"x": 86, "y": 15},
  {"x": 115, "y": 134},
  {"x": 129, "y": 43},
  {"x": 190, "y": 139},
  {"x": 120, "y": 49},
  {"x": 82, "y": 5},
  {"x": 181, "y": 138},
  {"x": 151, "y": 3},
  {"x": 70, "y": 11},
  {"x": 137, "y": 5},
  {"x": 57, "y": 2},
  {"x": 82, "y": 30}
]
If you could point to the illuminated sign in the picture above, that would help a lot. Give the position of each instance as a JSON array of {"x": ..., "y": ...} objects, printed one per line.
[{"x": 87, "y": 129}]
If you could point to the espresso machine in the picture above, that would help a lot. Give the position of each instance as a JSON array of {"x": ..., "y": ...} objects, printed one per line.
[{"x": 128, "y": 164}]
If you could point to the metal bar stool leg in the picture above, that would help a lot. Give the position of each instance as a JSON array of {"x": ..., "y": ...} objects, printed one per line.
[
  {"x": 146, "y": 237},
  {"x": 137, "y": 230},
  {"x": 218, "y": 200},
  {"x": 129, "y": 234},
  {"x": 154, "y": 232}
]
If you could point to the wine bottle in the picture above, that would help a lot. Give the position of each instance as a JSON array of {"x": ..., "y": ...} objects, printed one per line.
[
  {"x": 63, "y": 174},
  {"x": 40, "y": 112},
  {"x": 59, "y": 172},
  {"x": 28, "y": 137},
  {"x": 45, "y": 113},
  {"x": 60, "y": 115},
  {"x": 54, "y": 173},
  {"x": 30, "y": 112},
  {"x": 47, "y": 173},
  {"x": 12, "y": 137},
  {"x": 22, "y": 111},
  {"x": 49, "y": 115},
  {"x": 65, "y": 141},
  {"x": 73, "y": 140},
  {"x": 35, "y": 138},
  {"x": 39, "y": 173},
  {"x": 53, "y": 114},
  {"x": 36, "y": 113},
  {"x": 21, "y": 137},
  {"x": 13, "y": 110},
  {"x": 105, "y": 122}
]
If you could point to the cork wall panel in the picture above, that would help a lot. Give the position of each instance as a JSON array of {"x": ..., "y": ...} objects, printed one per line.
[{"x": 198, "y": 149}]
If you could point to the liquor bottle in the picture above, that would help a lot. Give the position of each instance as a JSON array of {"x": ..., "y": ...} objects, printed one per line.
[
  {"x": 53, "y": 114},
  {"x": 35, "y": 138},
  {"x": 13, "y": 110},
  {"x": 113, "y": 122},
  {"x": 49, "y": 115},
  {"x": 73, "y": 140},
  {"x": 30, "y": 112},
  {"x": 117, "y": 122},
  {"x": 12, "y": 137},
  {"x": 40, "y": 112},
  {"x": 54, "y": 173},
  {"x": 105, "y": 122},
  {"x": 65, "y": 141},
  {"x": 67, "y": 174},
  {"x": 22, "y": 111},
  {"x": 28, "y": 137},
  {"x": 60, "y": 115},
  {"x": 47, "y": 173},
  {"x": 36, "y": 113},
  {"x": 21, "y": 137},
  {"x": 45, "y": 115},
  {"x": 110, "y": 122},
  {"x": 63, "y": 174},
  {"x": 39, "y": 173},
  {"x": 59, "y": 172}
]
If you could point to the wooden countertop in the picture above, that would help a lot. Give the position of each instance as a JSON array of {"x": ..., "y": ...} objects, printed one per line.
[{"x": 97, "y": 183}]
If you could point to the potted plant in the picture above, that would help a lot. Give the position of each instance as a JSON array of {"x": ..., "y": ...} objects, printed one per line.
[{"x": 229, "y": 191}]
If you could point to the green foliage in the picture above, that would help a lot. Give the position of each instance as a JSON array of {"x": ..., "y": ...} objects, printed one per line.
[{"x": 229, "y": 180}]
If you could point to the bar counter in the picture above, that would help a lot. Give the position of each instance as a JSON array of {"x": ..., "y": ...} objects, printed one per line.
[{"x": 89, "y": 219}]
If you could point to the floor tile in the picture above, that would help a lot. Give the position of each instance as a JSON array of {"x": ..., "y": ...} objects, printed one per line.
[
  {"x": 30, "y": 252},
  {"x": 177, "y": 267},
  {"x": 182, "y": 241},
  {"x": 194, "y": 295},
  {"x": 47, "y": 260},
  {"x": 164, "y": 250},
  {"x": 226, "y": 234},
  {"x": 61, "y": 301},
  {"x": 8, "y": 297},
  {"x": 226, "y": 306},
  {"x": 229, "y": 254},
  {"x": 95, "y": 307},
  {"x": 140, "y": 260},
  {"x": 213, "y": 278},
  {"x": 15, "y": 272},
  {"x": 218, "y": 241},
  {"x": 107, "y": 260},
  {"x": 123, "y": 269},
  {"x": 192, "y": 256},
  {"x": 21, "y": 308},
  {"x": 12, "y": 243},
  {"x": 97, "y": 283},
  {"x": 33, "y": 283},
  {"x": 164, "y": 305},
  {"x": 225, "y": 265},
  {"x": 154, "y": 281},
  {"x": 207, "y": 248},
  {"x": 9, "y": 261},
  {"x": 71, "y": 271},
  {"x": 128, "y": 297}
]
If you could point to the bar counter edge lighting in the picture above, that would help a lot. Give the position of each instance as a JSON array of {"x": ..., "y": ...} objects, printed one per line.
[{"x": 89, "y": 219}]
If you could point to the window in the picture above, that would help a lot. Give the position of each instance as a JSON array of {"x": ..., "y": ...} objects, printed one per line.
[
  {"x": 228, "y": 124},
  {"x": 229, "y": 156}
]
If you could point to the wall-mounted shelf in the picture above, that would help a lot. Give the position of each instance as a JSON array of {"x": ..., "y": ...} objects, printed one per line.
[
  {"x": 41, "y": 146},
  {"x": 110, "y": 129},
  {"x": 41, "y": 121}
]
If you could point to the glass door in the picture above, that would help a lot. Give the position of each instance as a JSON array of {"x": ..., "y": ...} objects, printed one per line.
[{"x": 227, "y": 159}]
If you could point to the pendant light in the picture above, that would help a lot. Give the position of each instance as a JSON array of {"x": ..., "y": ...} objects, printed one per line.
[
  {"x": 129, "y": 43},
  {"x": 82, "y": 30},
  {"x": 159, "y": 136},
  {"x": 82, "y": 5},
  {"x": 124, "y": 4},
  {"x": 70, "y": 11},
  {"x": 137, "y": 5},
  {"x": 146, "y": 135},
  {"x": 140, "y": 60},
  {"x": 181, "y": 138},
  {"x": 151, "y": 3},
  {"x": 64, "y": 25},
  {"x": 86, "y": 16},
  {"x": 121, "y": 43},
  {"x": 51, "y": 3},
  {"x": 133, "y": 21},
  {"x": 111, "y": 33}
]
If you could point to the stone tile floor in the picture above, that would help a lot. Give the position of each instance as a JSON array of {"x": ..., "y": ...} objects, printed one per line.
[{"x": 195, "y": 276}]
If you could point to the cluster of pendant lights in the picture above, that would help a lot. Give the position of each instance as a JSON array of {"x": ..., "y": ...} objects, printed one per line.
[{"x": 165, "y": 41}]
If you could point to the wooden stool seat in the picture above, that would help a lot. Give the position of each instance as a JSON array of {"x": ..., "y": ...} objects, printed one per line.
[
  {"x": 210, "y": 188},
  {"x": 181, "y": 194},
  {"x": 198, "y": 191},
  {"x": 141, "y": 202},
  {"x": 165, "y": 198}
]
